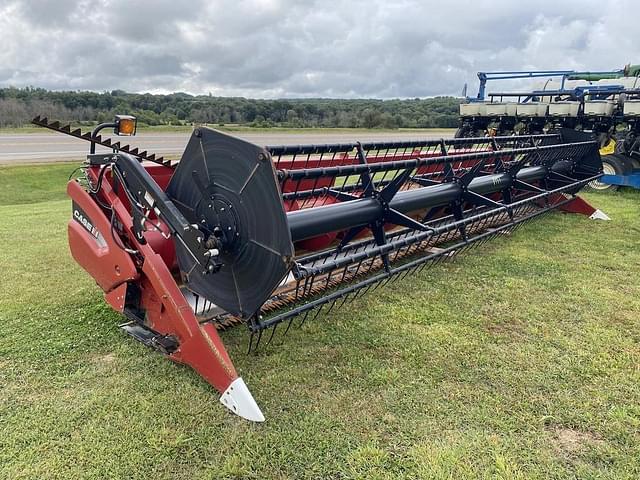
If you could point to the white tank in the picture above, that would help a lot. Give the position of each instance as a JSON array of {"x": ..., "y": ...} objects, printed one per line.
[
  {"x": 500, "y": 109},
  {"x": 512, "y": 108},
  {"x": 599, "y": 108},
  {"x": 531, "y": 109},
  {"x": 564, "y": 109},
  {"x": 632, "y": 108},
  {"x": 496, "y": 109},
  {"x": 473, "y": 109}
]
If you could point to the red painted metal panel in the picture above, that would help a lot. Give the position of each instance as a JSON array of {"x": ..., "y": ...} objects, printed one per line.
[{"x": 92, "y": 245}]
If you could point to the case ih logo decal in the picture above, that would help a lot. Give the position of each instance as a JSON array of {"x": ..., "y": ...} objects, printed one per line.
[
  {"x": 81, "y": 217},
  {"x": 83, "y": 220}
]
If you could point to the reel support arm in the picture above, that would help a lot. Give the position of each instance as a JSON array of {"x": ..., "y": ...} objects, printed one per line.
[{"x": 146, "y": 196}]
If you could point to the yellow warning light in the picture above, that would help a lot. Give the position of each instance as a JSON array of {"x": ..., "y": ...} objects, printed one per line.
[{"x": 125, "y": 125}]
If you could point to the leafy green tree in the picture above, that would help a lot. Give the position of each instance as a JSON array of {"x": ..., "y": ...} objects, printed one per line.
[{"x": 19, "y": 105}]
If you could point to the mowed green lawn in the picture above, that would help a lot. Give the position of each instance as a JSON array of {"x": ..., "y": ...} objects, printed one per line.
[{"x": 520, "y": 360}]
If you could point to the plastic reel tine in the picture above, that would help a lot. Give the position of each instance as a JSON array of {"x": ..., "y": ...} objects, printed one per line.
[
  {"x": 476, "y": 242},
  {"x": 366, "y": 289},
  {"x": 420, "y": 267},
  {"x": 404, "y": 274},
  {"x": 370, "y": 263},
  {"x": 318, "y": 311},
  {"x": 508, "y": 229},
  {"x": 344, "y": 299},
  {"x": 425, "y": 265},
  {"x": 273, "y": 332},
  {"x": 493, "y": 235},
  {"x": 517, "y": 226},
  {"x": 483, "y": 240},
  {"x": 249, "y": 350},
  {"x": 304, "y": 318},
  {"x": 259, "y": 339},
  {"x": 333, "y": 159},
  {"x": 344, "y": 273},
  {"x": 463, "y": 249},
  {"x": 410, "y": 271},
  {"x": 307, "y": 281},
  {"x": 356, "y": 294},
  {"x": 391, "y": 278},
  {"x": 289, "y": 325},
  {"x": 313, "y": 189},
  {"x": 378, "y": 284},
  {"x": 400, "y": 276},
  {"x": 333, "y": 304},
  {"x": 328, "y": 280},
  {"x": 442, "y": 257}
]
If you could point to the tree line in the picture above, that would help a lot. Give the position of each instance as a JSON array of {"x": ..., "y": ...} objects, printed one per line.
[{"x": 19, "y": 105}]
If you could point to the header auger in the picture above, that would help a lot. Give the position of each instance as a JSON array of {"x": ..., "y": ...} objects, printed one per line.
[{"x": 271, "y": 236}]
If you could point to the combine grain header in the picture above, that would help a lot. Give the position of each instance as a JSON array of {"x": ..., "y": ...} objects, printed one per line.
[{"x": 235, "y": 233}]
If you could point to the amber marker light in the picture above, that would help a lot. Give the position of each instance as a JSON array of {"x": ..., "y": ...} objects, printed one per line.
[{"x": 125, "y": 125}]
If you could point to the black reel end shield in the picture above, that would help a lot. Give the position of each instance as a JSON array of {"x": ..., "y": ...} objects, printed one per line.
[{"x": 228, "y": 187}]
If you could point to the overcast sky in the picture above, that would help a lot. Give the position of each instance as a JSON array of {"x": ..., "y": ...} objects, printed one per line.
[{"x": 286, "y": 48}]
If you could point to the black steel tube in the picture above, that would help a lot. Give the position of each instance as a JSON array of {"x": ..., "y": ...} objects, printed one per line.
[
  {"x": 312, "y": 222},
  {"x": 276, "y": 150},
  {"x": 95, "y": 132},
  {"x": 331, "y": 218},
  {"x": 419, "y": 198}
]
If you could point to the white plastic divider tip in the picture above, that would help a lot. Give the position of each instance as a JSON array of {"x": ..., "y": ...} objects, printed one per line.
[
  {"x": 239, "y": 400},
  {"x": 599, "y": 215}
]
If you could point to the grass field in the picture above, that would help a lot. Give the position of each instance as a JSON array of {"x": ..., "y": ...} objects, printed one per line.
[{"x": 521, "y": 360}]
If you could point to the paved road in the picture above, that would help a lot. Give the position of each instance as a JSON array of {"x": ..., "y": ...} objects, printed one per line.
[{"x": 56, "y": 147}]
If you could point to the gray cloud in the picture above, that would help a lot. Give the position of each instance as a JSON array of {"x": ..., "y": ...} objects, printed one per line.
[{"x": 284, "y": 48}]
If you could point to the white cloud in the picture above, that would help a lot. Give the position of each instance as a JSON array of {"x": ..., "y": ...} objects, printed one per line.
[{"x": 284, "y": 48}]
